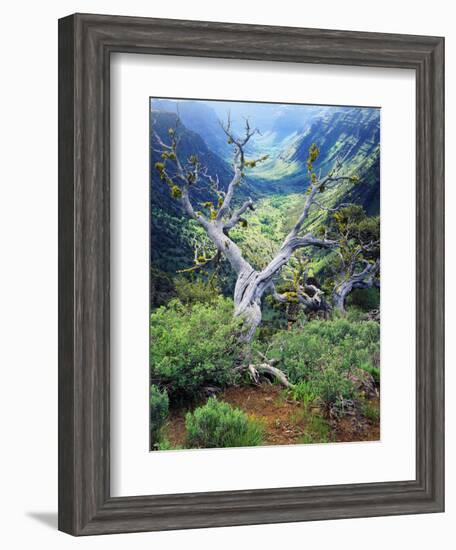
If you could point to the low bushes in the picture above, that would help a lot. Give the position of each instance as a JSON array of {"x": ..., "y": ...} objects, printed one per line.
[
  {"x": 319, "y": 357},
  {"x": 195, "y": 346},
  {"x": 332, "y": 385},
  {"x": 192, "y": 347},
  {"x": 304, "y": 392},
  {"x": 318, "y": 345},
  {"x": 370, "y": 410},
  {"x": 191, "y": 292},
  {"x": 159, "y": 405},
  {"x": 217, "y": 424},
  {"x": 318, "y": 429}
]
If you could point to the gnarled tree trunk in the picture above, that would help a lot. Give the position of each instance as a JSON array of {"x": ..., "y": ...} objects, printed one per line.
[
  {"x": 365, "y": 279},
  {"x": 251, "y": 284}
]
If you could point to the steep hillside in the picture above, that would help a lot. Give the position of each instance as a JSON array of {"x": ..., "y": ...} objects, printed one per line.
[
  {"x": 354, "y": 136},
  {"x": 199, "y": 118},
  {"x": 190, "y": 143},
  {"x": 277, "y": 186},
  {"x": 171, "y": 234}
]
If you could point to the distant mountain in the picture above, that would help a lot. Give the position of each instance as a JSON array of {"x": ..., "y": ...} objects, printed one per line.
[
  {"x": 290, "y": 120},
  {"x": 191, "y": 143},
  {"x": 349, "y": 133},
  {"x": 197, "y": 117},
  {"x": 274, "y": 122}
]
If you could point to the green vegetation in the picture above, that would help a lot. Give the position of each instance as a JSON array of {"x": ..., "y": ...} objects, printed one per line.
[
  {"x": 333, "y": 387},
  {"x": 191, "y": 292},
  {"x": 373, "y": 371},
  {"x": 365, "y": 299},
  {"x": 218, "y": 326},
  {"x": 318, "y": 429},
  {"x": 193, "y": 346},
  {"x": 303, "y": 392},
  {"x": 337, "y": 345},
  {"x": 158, "y": 406},
  {"x": 321, "y": 356},
  {"x": 370, "y": 411},
  {"x": 217, "y": 424},
  {"x": 164, "y": 445}
]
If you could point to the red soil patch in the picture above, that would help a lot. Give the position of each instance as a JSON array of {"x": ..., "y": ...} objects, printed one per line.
[
  {"x": 281, "y": 416},
  {"x": 286, "y": 421}
]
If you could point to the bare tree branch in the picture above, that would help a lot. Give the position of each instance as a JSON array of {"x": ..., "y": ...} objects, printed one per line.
[
  {"x": 366, "y": 278},
  {"x": 237, "y": 214},
  {"x": 310, "y": 296}
]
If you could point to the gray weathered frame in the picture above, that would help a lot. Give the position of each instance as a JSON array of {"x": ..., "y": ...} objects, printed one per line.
[{"x": 85, "y": 45}]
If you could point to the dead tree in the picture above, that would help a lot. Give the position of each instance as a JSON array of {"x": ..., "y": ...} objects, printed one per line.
[{"x": 219, "y": 217}]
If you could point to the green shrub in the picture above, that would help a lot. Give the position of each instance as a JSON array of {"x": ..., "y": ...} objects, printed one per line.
[
  {"x": 317, "y": 429},
  {"x": 192, "y": 347},
  {"x": 305, "y": 351},
  {"x": 303, "y": 392},
  {"x": 319, "y": 356},
  {"x": 165, "y": 445},
  {"x": 197, "y": 291},
  {"x": 370, "y": 410},
  {"x": 354, "y": 314},
  {"x": 159, "y": 406},
  {"x": 332, "y": 386},
  {"x": 217, "y": 424}
]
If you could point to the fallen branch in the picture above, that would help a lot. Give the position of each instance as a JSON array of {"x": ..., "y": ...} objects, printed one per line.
[
  {"x": 275, "y": 372},
  {"x": 255, "y": 371}
]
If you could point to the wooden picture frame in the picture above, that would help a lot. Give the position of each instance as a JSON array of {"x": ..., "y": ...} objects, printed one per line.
[{"x": 85, "y": 45}]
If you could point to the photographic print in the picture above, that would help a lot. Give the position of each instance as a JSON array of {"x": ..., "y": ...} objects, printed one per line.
[{"x": 264, "y": 274}]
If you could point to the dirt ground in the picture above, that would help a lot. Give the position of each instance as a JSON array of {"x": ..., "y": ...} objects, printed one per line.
[{"x": 286, "y": 421}]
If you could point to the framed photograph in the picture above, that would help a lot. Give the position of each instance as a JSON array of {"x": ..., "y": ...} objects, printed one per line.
[{"x": 251, "y": 274}]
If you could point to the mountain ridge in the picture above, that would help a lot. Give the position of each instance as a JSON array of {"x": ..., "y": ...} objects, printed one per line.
[{"x": 350, "y": 133}]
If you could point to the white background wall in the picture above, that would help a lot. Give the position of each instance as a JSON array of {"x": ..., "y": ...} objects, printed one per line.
[{"x": 28, "y": 273}]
